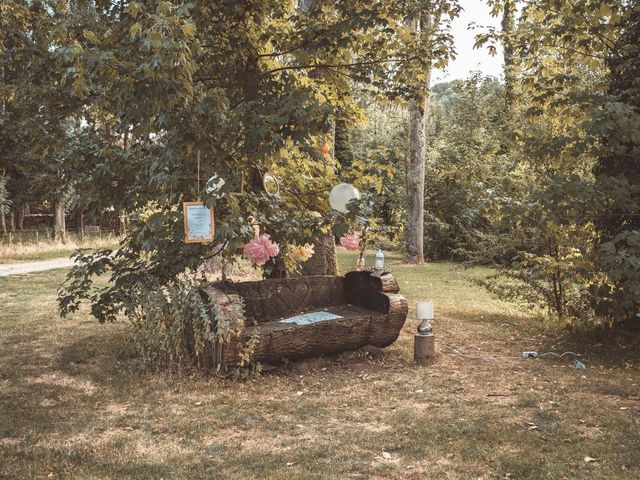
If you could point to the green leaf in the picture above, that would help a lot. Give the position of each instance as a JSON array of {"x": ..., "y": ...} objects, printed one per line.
[
  {"x": 135, "y": 31},
  {"x": 89, "y": 35}
]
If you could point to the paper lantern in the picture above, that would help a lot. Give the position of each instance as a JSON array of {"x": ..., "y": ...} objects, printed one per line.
[{"x": 341, "y": 195}]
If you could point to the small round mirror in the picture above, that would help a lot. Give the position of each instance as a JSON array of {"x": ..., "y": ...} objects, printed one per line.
[{"x": 271, "y": 184}]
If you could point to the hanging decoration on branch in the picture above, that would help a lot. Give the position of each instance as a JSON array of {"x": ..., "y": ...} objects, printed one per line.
[
  {"x": 214, "y": 186},
  {"x": 350, "y": 241},
  {"x": 198, "y": 223},
  {"x": 341, "y": 195},
  {"x": 261, "y": 249},
  {"x": 271, "y": 184},
  {"x": 198, "y": 219},
  {"x": 353, "y": 242}
]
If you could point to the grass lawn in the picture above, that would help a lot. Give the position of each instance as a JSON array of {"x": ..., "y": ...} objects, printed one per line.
[
  {"x": 20, "y": 253},
  {"x": 74, "y": 405},
  {"x": 35, "y": 256}
]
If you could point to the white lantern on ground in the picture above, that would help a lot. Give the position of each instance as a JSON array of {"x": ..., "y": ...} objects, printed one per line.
[
  {"x": 341, "y": 195},
  {"x": 424, "y": 346}
]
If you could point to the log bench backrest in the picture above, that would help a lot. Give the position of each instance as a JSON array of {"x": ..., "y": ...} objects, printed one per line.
[
  {"x": 276, "y": 298},
  {"x": 370, "y": 291}
]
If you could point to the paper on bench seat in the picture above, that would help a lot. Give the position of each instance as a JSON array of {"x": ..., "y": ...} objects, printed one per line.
[{"x": 312, "y": 317}]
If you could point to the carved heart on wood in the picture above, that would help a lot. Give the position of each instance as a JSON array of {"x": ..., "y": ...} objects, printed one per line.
[{"x": 293, "y": 294}]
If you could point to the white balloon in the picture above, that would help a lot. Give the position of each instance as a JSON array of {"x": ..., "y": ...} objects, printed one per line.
[{"x": 341, "y": 195}]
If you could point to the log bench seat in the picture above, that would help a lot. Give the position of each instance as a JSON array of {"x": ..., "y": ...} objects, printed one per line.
[{"x": 310, "y": 316}]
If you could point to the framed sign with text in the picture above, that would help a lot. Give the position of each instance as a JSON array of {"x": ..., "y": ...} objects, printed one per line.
[{"x": 198, "y": 223}]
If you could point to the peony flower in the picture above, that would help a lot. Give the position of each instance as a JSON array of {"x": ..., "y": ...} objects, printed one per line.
[
  {"x": 350, "y": 241},
  {"x": 260, "y": 249},
  {"x": 301, "y": 253}
]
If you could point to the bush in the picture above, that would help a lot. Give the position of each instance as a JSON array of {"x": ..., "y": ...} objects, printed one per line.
[
  {"x": 553, "y": 264},
  {"x": 618, "y": 298},
  {"x": 173, "y": 328}
]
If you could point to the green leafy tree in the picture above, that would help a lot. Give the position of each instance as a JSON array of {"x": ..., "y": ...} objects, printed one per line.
[
  {"x": 38, "y": 115},
  {"x": 244, "y": 88},
  {"x": 568, "y": 143},
  {"x": 618, "y": 174},
  {"x": 466, "y": 169}
]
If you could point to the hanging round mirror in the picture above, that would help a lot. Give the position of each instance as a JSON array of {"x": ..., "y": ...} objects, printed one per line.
[{"x": 271, "y": 184}]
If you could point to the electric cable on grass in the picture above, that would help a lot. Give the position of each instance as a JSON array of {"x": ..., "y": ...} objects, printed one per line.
[{"x": 525, "y": 355}]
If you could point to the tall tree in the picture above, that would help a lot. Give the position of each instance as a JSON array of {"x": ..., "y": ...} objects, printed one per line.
[
  {"x": 418, "y": 112},
  {"x": 430, "y": 25},
  {"x": 251, "y": 86},
  {"x": 621, "y": 157},
  {"x": 324, "y": 260},
  {"x": 510, "y": 69}
]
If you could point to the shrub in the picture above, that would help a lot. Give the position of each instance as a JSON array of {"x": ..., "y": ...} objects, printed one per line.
[{"x": 173, "y": 328}]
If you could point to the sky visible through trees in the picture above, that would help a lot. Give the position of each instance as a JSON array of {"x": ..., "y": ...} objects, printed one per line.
[{"x": 469, "y": 59}]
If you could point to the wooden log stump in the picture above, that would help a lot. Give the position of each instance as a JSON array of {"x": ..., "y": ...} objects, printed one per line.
[{"x": 424, "y": 348}]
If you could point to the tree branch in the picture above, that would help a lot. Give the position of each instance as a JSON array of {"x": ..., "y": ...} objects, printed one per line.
[{"x": 330, "y": 65}]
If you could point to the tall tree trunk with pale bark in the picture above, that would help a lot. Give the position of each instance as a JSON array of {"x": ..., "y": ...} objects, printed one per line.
[
  {"x": 59, "y": 226},
  {"x": 508, "y": 27},
  {"x": 418, "y": 114}
]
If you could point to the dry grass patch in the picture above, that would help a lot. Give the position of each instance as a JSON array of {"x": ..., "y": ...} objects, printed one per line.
[
  {"x": 74, "y": 405},
  {"x": 47, "y": 250}
]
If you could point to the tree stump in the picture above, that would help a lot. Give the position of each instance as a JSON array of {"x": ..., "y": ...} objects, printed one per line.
[{"x": 424, "y": 348}]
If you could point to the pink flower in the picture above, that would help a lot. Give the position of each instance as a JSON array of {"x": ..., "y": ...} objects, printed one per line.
[
  {"x": 260, "y": 249},
  {"x": 350, "y": 241}
]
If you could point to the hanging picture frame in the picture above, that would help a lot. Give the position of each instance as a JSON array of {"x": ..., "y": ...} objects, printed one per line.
[{"x": 199, "y": 224}]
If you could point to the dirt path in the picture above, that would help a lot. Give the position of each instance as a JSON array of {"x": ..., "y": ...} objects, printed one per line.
[{"x": 30, "y": 267}]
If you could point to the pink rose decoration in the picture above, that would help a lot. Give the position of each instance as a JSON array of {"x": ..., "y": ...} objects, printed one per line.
[
  {"x": 350, "y": 241},
  {"x": 260, "y": 249}
]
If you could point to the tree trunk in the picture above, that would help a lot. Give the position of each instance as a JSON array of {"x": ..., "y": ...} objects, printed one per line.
[
  {"x": 21, "y": 214},
  {"x": 508, "y": 26},
  {"x": 12, "y": 221},
  {"x": 3, "y": 222},
  {"x": 324, "y": 260},
  {"x": 81, "y": 222},
  {"x": 418, "y": 112},
  {"x": 59, "y": 227}
]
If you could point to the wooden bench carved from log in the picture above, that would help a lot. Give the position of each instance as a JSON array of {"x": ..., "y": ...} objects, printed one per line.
[{"x": 366, "y": 310}]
